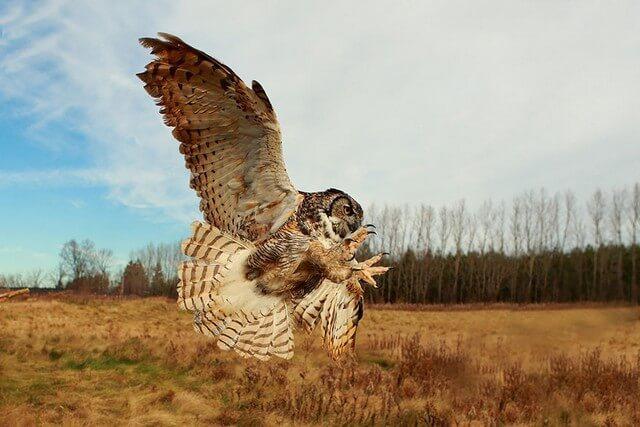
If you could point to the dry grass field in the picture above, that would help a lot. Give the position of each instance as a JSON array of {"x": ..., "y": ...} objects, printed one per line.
[{"x": 138, "y": 362}]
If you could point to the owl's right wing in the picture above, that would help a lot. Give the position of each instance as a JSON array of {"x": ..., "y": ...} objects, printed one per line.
[
  {"x": 338, "y": 309},
  {"x": 229, "y": 135}
]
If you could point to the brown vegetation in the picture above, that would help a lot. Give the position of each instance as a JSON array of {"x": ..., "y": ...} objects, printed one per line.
[{"x": 87, "y": 360}]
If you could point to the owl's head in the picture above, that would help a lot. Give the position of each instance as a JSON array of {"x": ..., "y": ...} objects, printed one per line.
[{"x": 331, "y": 214}]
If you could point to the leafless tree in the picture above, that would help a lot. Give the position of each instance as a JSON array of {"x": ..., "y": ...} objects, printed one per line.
[
  {"x": 76, "y": 258},
  {"x": 618, "y": 205},
  {"x": 35, "y": 278},
  {"x": 102, "y": 261},
  {"x": 458, "y": 222},
  {"x": 515, "y": 226},
  {"x": 633, "y": 221},
  {"x": 444, "y": 232},
  {"x": 596, "y": 209},
  {"x": 569, "y": 218}
]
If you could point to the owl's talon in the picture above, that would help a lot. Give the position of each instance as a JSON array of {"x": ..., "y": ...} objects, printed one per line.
[
  {"x": 366, "y": 270},
  {"x": 354, "y": 241},
  {"x": 369, "y": 225}
]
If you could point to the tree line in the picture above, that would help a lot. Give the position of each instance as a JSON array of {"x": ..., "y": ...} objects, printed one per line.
[
  {"x": 535, "y": 248},
  {"x": 83, "y": 268}
]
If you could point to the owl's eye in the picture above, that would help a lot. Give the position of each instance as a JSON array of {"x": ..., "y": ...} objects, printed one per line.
[{"x": 348, "y": 210}]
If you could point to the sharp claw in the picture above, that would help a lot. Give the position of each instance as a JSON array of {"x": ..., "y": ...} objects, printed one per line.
[
  {"x": 371, "y": 232},
  {"x": 369, "y": 225},
  {"x": 367, "y": 278},
  {"x": 385, "y": 253}
]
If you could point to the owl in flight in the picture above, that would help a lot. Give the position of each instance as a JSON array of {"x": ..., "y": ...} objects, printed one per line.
[{"x": 268, "y": 257}]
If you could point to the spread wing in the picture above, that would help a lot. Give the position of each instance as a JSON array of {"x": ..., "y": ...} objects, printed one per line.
[
  {"x": 337, "y": 309},
  {"x": 229, "y": 135}
]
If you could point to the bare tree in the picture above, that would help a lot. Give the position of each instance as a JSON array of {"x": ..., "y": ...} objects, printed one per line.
[
  {"x": 515, "y": 229},
  {"x": 569, "y": 218},
  {"x": 458, "y": 222},
  {"x": 515, "y": 226},
  {"x": 12, "y": 281},
  {"x": 76, "y": 258},
  {"x": 633, "y": 221},
  {"x": 57, "y": 276},
  {"x": 499, "y": 228},
  {"x": 444, "y": 232},
  {"x": 618, "y": 204},
  {"x": 596, "y": 208},
  {"x": 102, "y": 261},
  {"x": 35, "y": 278}
]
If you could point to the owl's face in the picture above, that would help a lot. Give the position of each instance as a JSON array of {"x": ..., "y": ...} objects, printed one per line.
[
  {"x": 331, "y": 215},
  {"x": 344, "y": 214}
]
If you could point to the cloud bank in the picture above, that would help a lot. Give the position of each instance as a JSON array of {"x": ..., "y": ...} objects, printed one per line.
[{"x": 400, "y": 102}]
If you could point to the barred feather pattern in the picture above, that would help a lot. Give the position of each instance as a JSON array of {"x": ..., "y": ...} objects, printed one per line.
[
  {"x": 254, "y": 326},
  {"x": 229, "y": 135},
  {"x": 338, "y": 311},
  {"x": 201, "y": 277}
]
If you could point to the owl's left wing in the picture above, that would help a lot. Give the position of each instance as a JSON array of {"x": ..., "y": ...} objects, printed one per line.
[
  {"x": 338, "y": 309},
  {"x": 229, "y": 135}
]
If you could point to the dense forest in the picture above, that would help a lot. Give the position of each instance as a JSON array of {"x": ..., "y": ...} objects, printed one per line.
[{"x": 537, "y": 248}]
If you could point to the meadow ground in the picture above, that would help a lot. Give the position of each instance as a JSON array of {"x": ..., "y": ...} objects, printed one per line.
[{"x": 104, "y": 361}]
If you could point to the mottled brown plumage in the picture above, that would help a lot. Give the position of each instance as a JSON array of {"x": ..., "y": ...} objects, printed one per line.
[{"x": 267, "y": 252}]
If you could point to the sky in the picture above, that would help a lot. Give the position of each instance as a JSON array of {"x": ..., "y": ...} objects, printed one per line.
[{"x": 397, "y": 102}]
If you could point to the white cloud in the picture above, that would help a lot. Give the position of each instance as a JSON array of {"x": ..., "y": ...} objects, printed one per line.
[{"x": 391, "y": 101}]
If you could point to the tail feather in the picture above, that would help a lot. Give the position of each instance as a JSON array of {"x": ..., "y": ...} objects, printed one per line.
[
  {"x": 308, "y": 309},
  {"x": 230, "y": 334},
  {"x": 245, "y": 341},
  {"x": 205, "y": 324},
  {"x": 209, "y": 243},
  {"x": 196, "y": 303},
  {"x": 226, "y": 305},
  {"x": 195, "y": 271},
  {"x": 343, "y": 329},
  {"x": 262, "y": 340},
  {"x": 201, "y": 278},
  {"x": 282, "y": 338},
  {"x": 337, "y": 310}
]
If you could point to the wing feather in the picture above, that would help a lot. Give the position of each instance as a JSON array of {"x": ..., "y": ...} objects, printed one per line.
[{"x": 229, "y": 135}]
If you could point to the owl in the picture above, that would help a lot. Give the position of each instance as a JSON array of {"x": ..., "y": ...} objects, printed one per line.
[{"x": 267, "y": 257}]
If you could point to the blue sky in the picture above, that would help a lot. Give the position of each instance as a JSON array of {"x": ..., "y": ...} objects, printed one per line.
[
  {"x": 38, "y": 215},
  {"x": 396, "y": 102}
]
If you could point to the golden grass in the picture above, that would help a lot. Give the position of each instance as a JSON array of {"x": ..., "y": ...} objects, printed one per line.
[{"x": 100, "y": 361}]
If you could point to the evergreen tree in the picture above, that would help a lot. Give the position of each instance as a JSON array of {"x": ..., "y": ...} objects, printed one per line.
[
  {"x": 158, "y": 282},
  {"x": 134, "y": 279}
]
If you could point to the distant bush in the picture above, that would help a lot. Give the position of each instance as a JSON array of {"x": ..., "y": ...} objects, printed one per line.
[{"x": 92, "y": 284}]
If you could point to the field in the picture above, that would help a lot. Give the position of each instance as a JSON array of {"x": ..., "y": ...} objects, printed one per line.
[{"x": 138, "y": 361}]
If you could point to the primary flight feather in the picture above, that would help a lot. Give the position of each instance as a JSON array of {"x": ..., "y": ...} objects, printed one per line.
[{"x": 267, "y": 256}]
